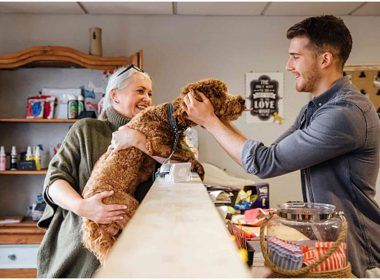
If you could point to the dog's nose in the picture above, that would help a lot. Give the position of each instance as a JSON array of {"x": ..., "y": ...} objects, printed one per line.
[{"x": 241, "y": 101}]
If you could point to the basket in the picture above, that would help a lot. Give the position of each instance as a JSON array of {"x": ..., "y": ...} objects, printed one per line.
[{"x": 304, "y": 272}]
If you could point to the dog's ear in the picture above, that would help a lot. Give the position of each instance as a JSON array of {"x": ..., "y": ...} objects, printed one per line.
[{"x": 180, "y": 113}]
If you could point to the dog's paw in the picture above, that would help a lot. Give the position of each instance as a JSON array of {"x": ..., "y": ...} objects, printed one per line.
[{"x": 196, "y": 166}]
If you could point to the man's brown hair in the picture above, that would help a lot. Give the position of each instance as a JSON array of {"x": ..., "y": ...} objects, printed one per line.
[{"x": 326, "y": 33}]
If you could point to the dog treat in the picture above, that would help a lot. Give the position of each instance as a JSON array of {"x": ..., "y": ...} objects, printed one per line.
[
  {"x": 337, "y": 260},
  {"x": 40, "y": 106},
  {"x": 35, "y": 108},
  {"x": 284, "y": 254}
]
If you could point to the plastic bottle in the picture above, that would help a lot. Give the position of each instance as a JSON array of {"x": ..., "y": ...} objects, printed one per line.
[
  {"x": 45, "y": 158},
  {"x": 13, "y": 158},
  {"x": 29, "y": 155},
  {"x": 3, "y": 158},
  {"x": 37, "y": 158},
  {"x": 72, "y": 107},
  {"x": 80, "y": 104}
]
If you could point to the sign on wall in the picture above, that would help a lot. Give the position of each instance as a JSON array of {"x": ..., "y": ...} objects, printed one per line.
[{"x": 264, "y": 92}]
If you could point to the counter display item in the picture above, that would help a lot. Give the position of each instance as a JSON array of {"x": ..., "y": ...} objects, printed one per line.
[
  {"x": 283, "y": 254},
  {"x": 319, "y": 250}
]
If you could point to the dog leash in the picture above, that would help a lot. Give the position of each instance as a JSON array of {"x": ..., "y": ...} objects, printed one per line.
[{"x": 173, "y": 124}]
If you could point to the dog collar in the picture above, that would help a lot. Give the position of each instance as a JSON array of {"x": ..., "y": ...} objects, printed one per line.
[{"x": 173, "y": 124}]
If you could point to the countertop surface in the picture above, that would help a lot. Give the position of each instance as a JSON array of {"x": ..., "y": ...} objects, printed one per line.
[{"x": 176, "y": 232}]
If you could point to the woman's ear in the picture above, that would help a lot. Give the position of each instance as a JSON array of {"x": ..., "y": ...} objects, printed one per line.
[{"x": 113, "y": 95}]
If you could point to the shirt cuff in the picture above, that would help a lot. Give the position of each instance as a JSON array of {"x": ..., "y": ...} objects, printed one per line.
[{"x": 248, "y": 158}]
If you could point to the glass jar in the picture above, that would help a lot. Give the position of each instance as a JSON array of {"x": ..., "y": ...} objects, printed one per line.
[{"x": 303, "y": 235}]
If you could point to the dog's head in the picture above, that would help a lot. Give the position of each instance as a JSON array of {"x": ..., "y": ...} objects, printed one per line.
[{"x": 227, "y": 107}]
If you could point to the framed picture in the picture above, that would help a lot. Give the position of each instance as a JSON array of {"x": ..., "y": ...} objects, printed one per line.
[{"x": 265, "y": 93}]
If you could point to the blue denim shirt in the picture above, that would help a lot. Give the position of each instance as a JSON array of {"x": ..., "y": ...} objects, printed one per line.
[{"x": 335, "y": 143}]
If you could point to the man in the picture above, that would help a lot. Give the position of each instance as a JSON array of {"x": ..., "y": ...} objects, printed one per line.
[{"x": 334, "y": 141}]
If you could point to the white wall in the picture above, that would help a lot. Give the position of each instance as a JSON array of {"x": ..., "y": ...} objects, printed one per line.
[{"x": 182, "y": 49}]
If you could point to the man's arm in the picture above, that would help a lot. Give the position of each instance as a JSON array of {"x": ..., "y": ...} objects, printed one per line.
[
  {"x": 228, "y": 138},
  {"x": 336, "y": 129},
  {"x": 202, "y": 113}
]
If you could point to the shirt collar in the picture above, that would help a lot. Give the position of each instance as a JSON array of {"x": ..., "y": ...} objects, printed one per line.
[
  {"x": 330, "y": 93},
  {"x": 115, "y": 118}
]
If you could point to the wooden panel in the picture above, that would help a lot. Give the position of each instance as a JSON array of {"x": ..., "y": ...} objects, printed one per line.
[
  {"x": 23, "y": 172},
  {"x": 22, "y": 120},
  {"x": 58, "y": 56},
  {"x": 21, "y": 239},
  {"x": 25, "y": 232},
  {"x": 18, "y": 273}
]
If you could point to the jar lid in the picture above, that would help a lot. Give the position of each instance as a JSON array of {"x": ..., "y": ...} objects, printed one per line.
[{"x": 306, "y": 211}]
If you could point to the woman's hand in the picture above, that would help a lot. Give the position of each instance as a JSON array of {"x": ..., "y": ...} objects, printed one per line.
[
  {"x": 95, "y": 210},
  {"x": 126, "y": 137},
  {"x": 198, "y": 112}
]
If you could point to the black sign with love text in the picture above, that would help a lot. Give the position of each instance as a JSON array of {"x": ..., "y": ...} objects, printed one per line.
[{"x": 264, "y": 97}]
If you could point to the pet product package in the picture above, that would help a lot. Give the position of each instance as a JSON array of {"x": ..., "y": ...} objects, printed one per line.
[
  {"x": 35, "y": 108},
  {"x": 62, "y": 96},
  {"x": 92, "y": 96},
  {"x": 40, "y": 106}
]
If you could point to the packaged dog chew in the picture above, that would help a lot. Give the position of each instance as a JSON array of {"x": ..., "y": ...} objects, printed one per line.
[
  {"x": 35, "y": 108},
  {"x": 49, "y": 106},
  {"x": 40, "y": 106}
]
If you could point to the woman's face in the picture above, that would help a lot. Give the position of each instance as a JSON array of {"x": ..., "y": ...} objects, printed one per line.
[{"x": 135, "y": 97}]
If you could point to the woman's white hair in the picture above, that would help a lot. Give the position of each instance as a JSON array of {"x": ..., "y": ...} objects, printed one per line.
[{"x": 117, "y": 81}]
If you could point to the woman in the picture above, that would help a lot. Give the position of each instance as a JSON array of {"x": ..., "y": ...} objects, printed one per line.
[{"x": 61, "y": 253}]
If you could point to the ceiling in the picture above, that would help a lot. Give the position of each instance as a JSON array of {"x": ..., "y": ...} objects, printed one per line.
[{"x": 194, "y": 8}]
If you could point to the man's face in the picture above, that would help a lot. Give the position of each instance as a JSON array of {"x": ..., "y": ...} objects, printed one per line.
[{"x": 303, "y": 63}]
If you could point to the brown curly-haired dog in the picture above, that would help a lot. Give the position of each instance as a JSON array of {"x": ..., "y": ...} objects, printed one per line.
[{"x": 123, "y": 171}]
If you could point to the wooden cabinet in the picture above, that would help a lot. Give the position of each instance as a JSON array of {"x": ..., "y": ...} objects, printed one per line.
[
  {"x": 22, "y": 74},
  {"x": 18, "y": 249}
]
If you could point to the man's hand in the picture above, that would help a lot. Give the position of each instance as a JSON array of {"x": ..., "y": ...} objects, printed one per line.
[
  {"x": 199, "y": 112},
  {"x": 95, "y": 210}
]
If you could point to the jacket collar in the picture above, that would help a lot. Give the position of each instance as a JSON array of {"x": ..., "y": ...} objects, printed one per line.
[{"x": 330, "y": 93}]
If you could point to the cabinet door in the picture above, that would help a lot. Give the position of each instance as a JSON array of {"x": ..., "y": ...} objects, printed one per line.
[{"x": 18, "y": 256}]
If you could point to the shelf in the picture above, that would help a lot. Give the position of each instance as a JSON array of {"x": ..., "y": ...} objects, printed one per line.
[
  {"x": 23, "y": 172},
  {"x": 23, "y": 120},
  {"x": 64, "y": 57}
]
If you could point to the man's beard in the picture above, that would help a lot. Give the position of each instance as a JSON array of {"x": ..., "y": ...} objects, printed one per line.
[{"x": 309, "y": 82}]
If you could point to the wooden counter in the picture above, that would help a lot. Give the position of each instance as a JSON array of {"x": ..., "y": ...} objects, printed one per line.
[{"x": 176, "y": 232}]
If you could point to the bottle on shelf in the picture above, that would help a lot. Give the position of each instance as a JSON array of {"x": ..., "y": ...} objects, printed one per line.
[
  {"x": 72, "y": 107},
  {"x": 3, "y": 158},
  {"x": 37, "y": 157},
  {"x": 80, "y": 104},
  {"x": 13, "y": 164},
  {"x": 29, "y": 155}
]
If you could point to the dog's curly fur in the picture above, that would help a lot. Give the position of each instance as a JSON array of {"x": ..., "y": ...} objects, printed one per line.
[{"x": 122, "y": 172}]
